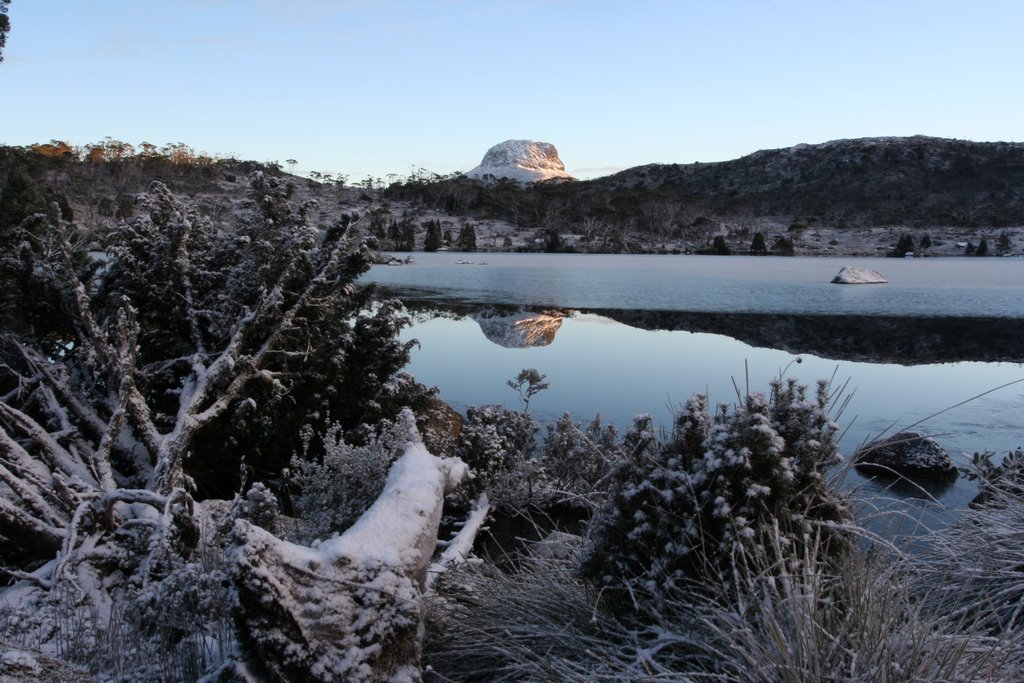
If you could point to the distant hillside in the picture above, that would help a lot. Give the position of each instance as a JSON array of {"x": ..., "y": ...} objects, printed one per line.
[
  {"x": 916, "y": 182},
  {"x": 855, "y": 197},
  {"x": 99, "y": 185},
  {"x": 872, "y": 181}
]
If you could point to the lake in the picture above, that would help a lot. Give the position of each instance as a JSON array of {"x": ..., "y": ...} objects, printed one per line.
[{"x": 622, "y": 335}]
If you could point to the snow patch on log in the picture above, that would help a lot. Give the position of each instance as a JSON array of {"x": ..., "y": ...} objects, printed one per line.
[
  {"x": 400, "y": 528},
  {"x": 459, "y": 548}
]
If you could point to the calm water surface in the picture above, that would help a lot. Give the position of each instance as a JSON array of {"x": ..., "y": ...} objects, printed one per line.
[
  {"x": 596, "y": 365},
  {"x": 922, "y": 287}
]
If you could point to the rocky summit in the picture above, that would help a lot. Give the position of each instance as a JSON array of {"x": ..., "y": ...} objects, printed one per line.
[{"x": 523, "y": 161}]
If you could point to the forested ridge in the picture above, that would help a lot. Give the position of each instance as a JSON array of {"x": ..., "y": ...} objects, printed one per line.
[{"x": 916, "y": 182}]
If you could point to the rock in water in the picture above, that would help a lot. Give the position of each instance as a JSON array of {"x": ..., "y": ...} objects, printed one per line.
[
  {"x": 523, "y": 161},
  {"x": 858, "y": 276},
  {"x": 908, "y": 454}
]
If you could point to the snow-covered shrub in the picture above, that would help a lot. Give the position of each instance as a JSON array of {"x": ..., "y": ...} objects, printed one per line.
[
  {"x": 499, "y": 445},
  {"x": 1008, "y": 476},
  {"x": 683, "y": 509},
  {"x": 336, "y": 488},
  {"x": 577, "y": 461},
  {"x": 178, "y": 628},
  {"x": 260, "y": 507}
]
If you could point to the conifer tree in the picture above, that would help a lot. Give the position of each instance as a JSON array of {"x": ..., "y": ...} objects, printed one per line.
[
  {"x": 20, "y": 199},
  {"x": 467, "y": 238},
  {"x": 1003, "y": 243},
  {"x": 432, "y": 240},
  {"x": 758, "y": 246},
  {"x": 5, "y": 26},
  {"x": 904, "y": 246}
]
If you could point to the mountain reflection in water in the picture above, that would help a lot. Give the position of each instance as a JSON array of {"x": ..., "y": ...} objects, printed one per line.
[
  {"x": 520, "y": 329},
  {"x": 865, "y": 338}
]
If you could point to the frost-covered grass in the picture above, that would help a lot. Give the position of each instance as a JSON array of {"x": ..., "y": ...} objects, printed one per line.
[
  {"x": 779, "y": 618},
  {"x": 857, "y": 620},
  {"x": 540, "y": 622},
  {"x": 975, "y": 567}
]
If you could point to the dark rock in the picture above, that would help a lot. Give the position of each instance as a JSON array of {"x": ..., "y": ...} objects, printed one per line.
[{"x": 907, "y": 454}]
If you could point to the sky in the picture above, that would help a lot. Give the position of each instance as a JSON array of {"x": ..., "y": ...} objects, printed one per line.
[{"x": 374, "y": 88}]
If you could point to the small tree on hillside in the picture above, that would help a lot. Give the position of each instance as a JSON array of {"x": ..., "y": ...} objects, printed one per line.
[
  {"x": 553, "y": 242},
  {"x": 758, "y": 246},
  {"x": 432, "y": 240},
  {"x": 467, "y": 238},
  {"x": 1003, "y": 243},
  {"x": 982, "y": 248},
  {"x": 720, "y": 247},
  {"x": 904, "y": 246},
  {"x": 783, "y": 246},
  {"x": 407, "y": 235}
]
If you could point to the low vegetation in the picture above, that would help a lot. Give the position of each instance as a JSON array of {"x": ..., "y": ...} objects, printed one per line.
[{"x": 805, "y": 597}]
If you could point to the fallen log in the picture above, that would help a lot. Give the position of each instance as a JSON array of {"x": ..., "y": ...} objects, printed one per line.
[{"x": 350, "y": 608}]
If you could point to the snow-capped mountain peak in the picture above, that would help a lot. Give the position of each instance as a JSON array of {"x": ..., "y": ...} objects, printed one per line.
[{"x": 523, "y": 161}]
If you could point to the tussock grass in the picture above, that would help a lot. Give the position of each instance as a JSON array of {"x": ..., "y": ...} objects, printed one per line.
[
  {"x": 858, "y": 619},
  {"x": 975, "y": 567},
  {"x": 539, "y": 621},
  {"x": 864, "y": 617}
]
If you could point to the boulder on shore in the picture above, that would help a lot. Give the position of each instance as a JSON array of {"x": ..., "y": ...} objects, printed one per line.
[
  {"x": 907, "y": 454},
  {"x": 854, "y": 275}
]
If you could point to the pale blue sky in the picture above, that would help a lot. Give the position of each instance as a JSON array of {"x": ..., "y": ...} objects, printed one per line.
[{"x": 363, "y": 87}]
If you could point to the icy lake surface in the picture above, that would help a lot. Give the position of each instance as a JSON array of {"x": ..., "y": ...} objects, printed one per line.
[
  {"x": 920, "y": 287},
  {"x": 597, "y": 365}
]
